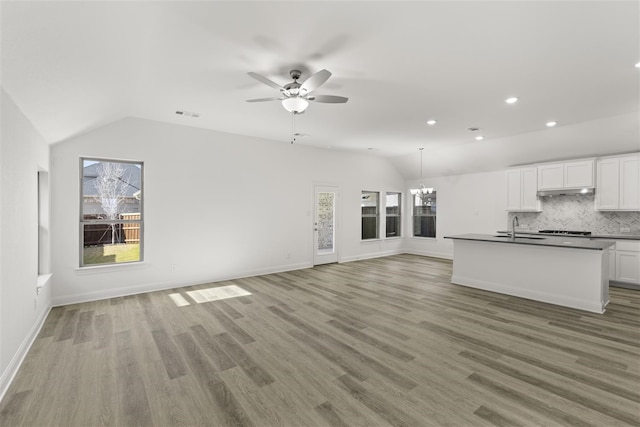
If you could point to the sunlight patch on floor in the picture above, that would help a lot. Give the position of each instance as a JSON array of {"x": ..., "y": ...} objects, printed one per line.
[
  {"x": 213, "y": 294},
  {"x": 179, "y": 300}
]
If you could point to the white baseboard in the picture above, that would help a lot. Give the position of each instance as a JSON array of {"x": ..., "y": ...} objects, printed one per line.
[
  {"x": 594, "y": 307},
  {"x": 16, "y": 361},
  {"x": 371, "y": 255},
  {"x": 443, "y": 255},
  {"x": 160, "y": 286}
]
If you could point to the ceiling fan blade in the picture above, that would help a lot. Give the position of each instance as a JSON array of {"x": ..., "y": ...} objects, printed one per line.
[
  {"x": 265, "y": 80},
  {"x": 330, "y": 99},
  {"x": 315, "y": 81},
  {"x": 264, "y": 99}
]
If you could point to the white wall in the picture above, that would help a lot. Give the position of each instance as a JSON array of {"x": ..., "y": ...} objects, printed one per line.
[
  {"x": 22, "y": 153},
  {"x": 470, "y": 203},
  {"x": 216, "y": 206}
]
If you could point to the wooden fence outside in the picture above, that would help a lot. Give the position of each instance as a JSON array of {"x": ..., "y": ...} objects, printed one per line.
[
  {"x": 131, "y": 230},
  {"x": 101, "y": 234}
]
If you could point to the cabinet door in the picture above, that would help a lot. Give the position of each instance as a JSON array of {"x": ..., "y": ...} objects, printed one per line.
[
  {"x": 529, "y": 178},
  {"x": 628, "y": 266},
  {"x": 608, "y": 179},
  {"x": 630, "y": 183},
  {"x": 550, "y": 177},
  {"x": 578, "y": 174},
  {"x": 514, "y": 191}
]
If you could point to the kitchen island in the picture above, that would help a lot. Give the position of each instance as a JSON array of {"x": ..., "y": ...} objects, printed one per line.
[{"x": 567, "y": 271}]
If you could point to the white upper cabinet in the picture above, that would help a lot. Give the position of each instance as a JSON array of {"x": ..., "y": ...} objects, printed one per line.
[
  {"x": 578, "y": 174},
  {"x": 630, "y": 183},
  {"x": 608, "y": 184},
  {"x": 558, "y": 176},
  {"x": 522, "y": 190},
  {"x": 618, "y": 180},
  {"x": 550, "y": 177}
]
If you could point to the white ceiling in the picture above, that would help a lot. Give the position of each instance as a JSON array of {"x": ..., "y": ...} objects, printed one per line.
[{"x": 75, "y": 66}]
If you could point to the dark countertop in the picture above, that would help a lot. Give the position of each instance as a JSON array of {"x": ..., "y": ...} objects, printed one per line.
[
  {"x": 593, "y": 236},
  {"x": 538, "y": 240}
]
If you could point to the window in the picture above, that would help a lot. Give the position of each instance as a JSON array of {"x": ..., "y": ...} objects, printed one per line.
[
  {"x": 369, "y": 205},
  {"x": 393, "y": 215},
  {"x": 44, "y": 248},
  {"x": 111, "y": 219},
  {"x": 424, "y": 214}
]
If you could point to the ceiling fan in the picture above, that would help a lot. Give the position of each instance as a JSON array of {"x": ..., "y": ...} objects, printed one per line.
[{"x": 295, "y": 96}]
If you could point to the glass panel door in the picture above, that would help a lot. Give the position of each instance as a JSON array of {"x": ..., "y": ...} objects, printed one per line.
[{"x": 324, "y": 225}]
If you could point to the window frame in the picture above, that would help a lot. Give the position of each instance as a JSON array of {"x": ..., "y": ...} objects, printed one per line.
[
  {"x": 83, "y": 222},
  {"x": 414, "y": 216},
  {"x": 376, "y": 216},
  {"x": 398, "y": 215}
]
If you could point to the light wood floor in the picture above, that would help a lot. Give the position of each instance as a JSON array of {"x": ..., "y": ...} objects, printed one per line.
[{"x": 378, "y": 342}]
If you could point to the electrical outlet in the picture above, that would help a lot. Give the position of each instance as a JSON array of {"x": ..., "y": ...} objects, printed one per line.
[{"x": 625, "y": 229}]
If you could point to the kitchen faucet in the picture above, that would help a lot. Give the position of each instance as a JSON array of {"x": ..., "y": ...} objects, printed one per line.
[{"x": 514, "y": 222}]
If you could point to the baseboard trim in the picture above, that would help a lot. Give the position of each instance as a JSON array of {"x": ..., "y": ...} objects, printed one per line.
[
  {"x": 161, "y": 286},
  {"x": 442, "y": 255},
  {"x": 9, "y": 374},
  {"x": 370, "y": 256}
]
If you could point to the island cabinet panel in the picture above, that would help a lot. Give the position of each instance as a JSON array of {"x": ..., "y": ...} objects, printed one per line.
[
  {"x": 618, "y": 183},
  {"x": 571, "y": 272},
  {"x": 522, "y": 190},
  {"x": 567, "y": 175},
  {"x": 612, "y": 263}
]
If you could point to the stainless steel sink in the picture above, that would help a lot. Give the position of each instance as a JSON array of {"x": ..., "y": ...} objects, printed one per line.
[{"x": 522, "y": 237}]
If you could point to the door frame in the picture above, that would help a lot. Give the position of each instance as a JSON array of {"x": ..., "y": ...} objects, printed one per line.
[{"x": 336, "y": 189}]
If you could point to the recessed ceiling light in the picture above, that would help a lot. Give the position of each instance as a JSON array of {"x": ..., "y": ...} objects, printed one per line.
[
  {"x": 638, "y": 65},
  {"x": 551, "y": 124},
  {"x": 511, "y": 100},
  {"x": 432, "y": 122},
  {"x": 479, "y": 138}
]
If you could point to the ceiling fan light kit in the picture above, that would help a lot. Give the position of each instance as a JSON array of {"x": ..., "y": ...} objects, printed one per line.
[
  {"x": 296, "y": 96},
  {"x": 295, "y": 105}
]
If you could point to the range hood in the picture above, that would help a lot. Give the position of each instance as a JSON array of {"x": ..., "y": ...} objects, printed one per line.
[{"x": 566, "y": 192}]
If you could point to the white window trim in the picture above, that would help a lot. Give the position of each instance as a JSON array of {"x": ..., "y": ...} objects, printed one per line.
[{"x": 90, "y": 268}]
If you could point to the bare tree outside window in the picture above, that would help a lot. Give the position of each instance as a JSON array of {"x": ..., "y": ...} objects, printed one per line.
[
  {"x": 111, "y": 212},
  {"x": 112, "y": 184}
]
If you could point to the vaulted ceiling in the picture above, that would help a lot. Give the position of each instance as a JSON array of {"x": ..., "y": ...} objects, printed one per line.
[{"x": 74, "y": 66}]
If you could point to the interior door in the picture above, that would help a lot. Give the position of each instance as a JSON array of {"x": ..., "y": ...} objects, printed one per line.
[{"x": 325, "y": 243}]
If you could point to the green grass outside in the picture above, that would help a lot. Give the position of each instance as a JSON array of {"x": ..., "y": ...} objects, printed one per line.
[{"x": 109, "y": 254}]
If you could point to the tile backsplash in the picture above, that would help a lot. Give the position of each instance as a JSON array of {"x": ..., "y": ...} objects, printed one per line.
[{"x": 577, "y": 212}]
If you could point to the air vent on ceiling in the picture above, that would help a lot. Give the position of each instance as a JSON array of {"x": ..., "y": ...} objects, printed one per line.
[{"x": 187, "y": 113}]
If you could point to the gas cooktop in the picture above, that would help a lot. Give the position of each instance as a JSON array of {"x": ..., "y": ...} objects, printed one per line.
[{"x": 566, "y": 232}]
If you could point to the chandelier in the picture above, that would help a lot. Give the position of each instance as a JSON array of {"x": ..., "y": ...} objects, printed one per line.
[{"x": 421, "y": 191}]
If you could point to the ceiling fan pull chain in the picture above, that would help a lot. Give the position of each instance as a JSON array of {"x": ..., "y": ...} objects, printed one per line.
[{"x": 293, "y": 128}]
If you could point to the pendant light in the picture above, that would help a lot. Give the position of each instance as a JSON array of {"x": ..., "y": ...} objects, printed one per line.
[{"x": 421, "y": 191}]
